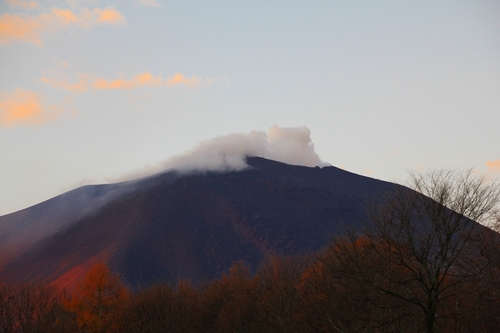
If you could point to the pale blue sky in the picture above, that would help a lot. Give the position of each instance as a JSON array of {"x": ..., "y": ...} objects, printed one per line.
[{"x": 383, "y": 86}]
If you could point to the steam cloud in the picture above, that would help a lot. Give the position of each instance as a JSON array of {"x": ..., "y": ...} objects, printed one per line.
[
  {"x": 228, "y": 153},
  {"x": 288, "y": 145}
]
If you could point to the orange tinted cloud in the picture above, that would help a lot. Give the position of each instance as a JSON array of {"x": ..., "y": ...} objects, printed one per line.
[
  {"x": 89, "y": 18},
  {"x": 140, "y": 80},
  {"x": 181, "y": 79},
  {"x": 28, "y": 28},
  {"x": 26, "y": 4},
  {"x": 80, "y": 86},
  {"x": 493, "y": 165},
  {"x": 143, "y": 80},
  {"x": 66, "y": 15},
  {"x": 23, "y": 107},
  {"x": 16, "y": 27},
  {"x": 108, "y": 15}
]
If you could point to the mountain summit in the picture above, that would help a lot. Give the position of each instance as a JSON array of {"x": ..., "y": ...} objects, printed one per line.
[{"x": 184, "y": 226}]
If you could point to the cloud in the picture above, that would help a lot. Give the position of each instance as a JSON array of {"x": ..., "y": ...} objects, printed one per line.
[
  {"x": 26, "y": 4},
  {"x": 108, "y": 15},
  {"x": 23, "y": 107},
  {"x": 140, "y": 80},
  {"x": 80, "y": 86},
  {"x": 89, "y": 18},
  {"x": 145, "y": 79},
  {"x": 15, "y": 27},
  {"x": 180, "y": 79},
  {"x": 290, "y": 145},
  {"x": 493, "y": 166},
  {"x": 150, "y": 3}
]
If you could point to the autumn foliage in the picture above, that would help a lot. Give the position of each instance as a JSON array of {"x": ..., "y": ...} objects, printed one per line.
[
  {"x": 97, "y": 300},
  {"x": 338, "y": 290}
]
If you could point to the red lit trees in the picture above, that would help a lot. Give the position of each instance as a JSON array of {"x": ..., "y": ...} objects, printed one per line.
[{"x": 97, "y": 300}]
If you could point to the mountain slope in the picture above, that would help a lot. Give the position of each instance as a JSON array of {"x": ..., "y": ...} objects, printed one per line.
[{"x": 194, "y": 226}]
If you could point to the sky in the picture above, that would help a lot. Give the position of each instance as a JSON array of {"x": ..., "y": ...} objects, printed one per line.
[{"x": 95, "y": 91}]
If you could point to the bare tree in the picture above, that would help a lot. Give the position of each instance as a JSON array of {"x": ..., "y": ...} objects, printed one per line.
[
  {"x": 278, "y": 302},
  {"x": 483, "y": 306},
  {"x": 230, "y": 302},
  {"x": 7, "y": 302},
  {"x": 338, "y": 291},
  {"x": 428, "y": 237},
  {"x": 148, "y": 311},
  {"x": 332, "y": 298},
  {"x": 26, "y": 308}
]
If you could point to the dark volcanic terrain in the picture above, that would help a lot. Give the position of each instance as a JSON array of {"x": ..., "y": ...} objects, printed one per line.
[{"x": 173, "y": 226}]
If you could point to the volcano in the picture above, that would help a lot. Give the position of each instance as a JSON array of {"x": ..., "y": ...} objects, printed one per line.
[{"x": 177, "y": 226}]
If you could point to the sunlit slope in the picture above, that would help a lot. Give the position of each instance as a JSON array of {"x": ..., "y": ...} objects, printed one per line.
[{"x": 21, "y": 230}]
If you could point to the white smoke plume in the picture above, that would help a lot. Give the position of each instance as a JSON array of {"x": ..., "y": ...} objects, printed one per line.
[
  {"x": 291, "y": 145},
  {"x": 288, "y": 145}
]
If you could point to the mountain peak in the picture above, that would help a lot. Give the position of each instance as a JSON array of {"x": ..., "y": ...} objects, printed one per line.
[{"x": 191, "y": 226}]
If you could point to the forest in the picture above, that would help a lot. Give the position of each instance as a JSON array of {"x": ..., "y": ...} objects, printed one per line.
[{"x": 422, "y": 264}]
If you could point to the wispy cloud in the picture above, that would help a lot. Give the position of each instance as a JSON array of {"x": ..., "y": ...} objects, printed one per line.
[
  {"x": 80, "y": 86},
  {"x": 145, "y": 79},
  {"x": 28, "y": 28},
  {"x": 139, "y": 80},
  {"x": 87, "y": 18},
  {"x": 24, "y": 107},
  {"x": 25, "y": 4},
  {"x": 150, "y": 3},
  {"x": 181, "y": 79},
  {"x": 87, "y": 82},
  {"x": 493, "y": 166}
]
